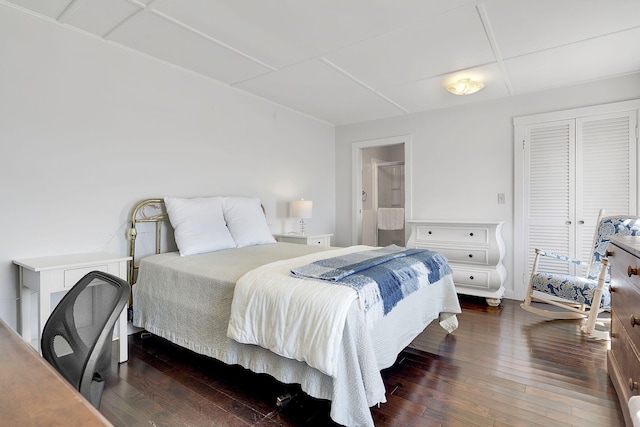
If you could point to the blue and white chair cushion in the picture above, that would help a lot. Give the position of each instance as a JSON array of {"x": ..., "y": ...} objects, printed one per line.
[{"x": 577, "y": 289}]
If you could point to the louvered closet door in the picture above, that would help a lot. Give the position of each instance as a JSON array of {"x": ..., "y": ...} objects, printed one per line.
[
  {"x": 606, "y": 157},
  {"x": 550, "y": 151},
  {"x": 572, "y": 169}
]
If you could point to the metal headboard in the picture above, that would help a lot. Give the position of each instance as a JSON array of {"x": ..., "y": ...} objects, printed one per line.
[{"x": 149, "y": 210}]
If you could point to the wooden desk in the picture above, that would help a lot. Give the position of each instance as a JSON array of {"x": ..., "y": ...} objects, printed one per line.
[{"x": 32, "y": 393}]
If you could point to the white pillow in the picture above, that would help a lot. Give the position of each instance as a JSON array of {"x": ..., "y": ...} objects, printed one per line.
[
  {"x": 246, "y": 221},
  {"x": 198, "y": 224}
]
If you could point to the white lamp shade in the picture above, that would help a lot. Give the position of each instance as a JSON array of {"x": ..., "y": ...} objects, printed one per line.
[{"x": 301, "y": 208}]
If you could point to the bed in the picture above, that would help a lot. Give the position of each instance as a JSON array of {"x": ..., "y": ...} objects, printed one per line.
[{"x": 188, "y": 299}]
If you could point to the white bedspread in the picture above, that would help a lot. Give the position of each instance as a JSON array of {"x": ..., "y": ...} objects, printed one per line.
[{"x": 297, "y": 318}]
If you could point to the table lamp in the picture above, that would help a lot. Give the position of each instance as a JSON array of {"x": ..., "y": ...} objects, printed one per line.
[{"x": 301, "y": 209}]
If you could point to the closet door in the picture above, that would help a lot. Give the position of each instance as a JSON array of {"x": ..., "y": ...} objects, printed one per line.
[
  {"x": 550, "y": 153},
  {"x": 606, "y": 158},
  {"x": 569, "y": 165}
]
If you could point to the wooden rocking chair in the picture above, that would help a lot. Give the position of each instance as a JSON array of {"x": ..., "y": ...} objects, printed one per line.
[{"x": 579, "y": 297}]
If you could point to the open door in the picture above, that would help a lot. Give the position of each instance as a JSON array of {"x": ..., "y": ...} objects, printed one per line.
[{"x": 381, "y": 174}]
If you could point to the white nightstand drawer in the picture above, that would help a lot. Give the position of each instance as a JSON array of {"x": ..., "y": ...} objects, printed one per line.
[
  {"x": 305, "y": 239},
  {"x": 319, "y": 241}
]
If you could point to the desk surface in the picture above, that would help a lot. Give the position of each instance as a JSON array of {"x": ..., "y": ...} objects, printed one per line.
[
  {"x": 32, "y": 393},
  {"x": 58, "y": 262}
]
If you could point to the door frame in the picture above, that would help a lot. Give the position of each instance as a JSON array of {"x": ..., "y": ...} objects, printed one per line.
[{"x": 356, "y": 179}]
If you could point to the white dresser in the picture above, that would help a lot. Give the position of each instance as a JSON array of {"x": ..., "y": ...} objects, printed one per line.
[{"x": 475, "y": 250}]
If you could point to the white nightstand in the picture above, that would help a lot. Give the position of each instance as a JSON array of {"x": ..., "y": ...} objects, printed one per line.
[
  {"x": 305, "y": 239},
  {"x": 48, "y": 275}
]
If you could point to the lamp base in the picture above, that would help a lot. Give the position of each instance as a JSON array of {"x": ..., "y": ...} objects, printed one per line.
[{"x": 302, "y": 230}]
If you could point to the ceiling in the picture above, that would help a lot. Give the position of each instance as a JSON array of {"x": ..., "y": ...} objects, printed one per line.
[{"x": 347, "y": 61}]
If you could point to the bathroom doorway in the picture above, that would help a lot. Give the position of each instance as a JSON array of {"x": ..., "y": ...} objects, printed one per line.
[
  {"x": 388, "y": 188},
  {"x": 381, "y": 183}
]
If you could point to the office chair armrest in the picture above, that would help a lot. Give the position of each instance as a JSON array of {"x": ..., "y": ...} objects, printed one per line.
[{"x": 559, "y": 257}]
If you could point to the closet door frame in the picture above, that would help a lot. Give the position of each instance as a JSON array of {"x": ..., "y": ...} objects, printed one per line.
[{"x": 521, "y": 243}]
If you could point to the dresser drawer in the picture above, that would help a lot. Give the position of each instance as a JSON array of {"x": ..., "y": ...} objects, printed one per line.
[
  {"x": 621, "y": 262},
  {"x": 625, "y": 303},
  {"x": 627, "y": 357},
  {"x": 464, "y": 256},
  {"x": 437, "y": 233},
  {"x": 471, "y": 278}
]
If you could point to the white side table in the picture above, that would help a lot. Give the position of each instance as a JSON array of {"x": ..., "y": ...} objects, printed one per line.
[
  {"x": 48, "y": 275},
  {"x": 305, "y": 239}
]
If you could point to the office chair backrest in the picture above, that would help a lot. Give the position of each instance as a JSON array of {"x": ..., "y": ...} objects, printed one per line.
[
  {"x": 77, "y": 337},
  {"x": 607, "y": 227}
]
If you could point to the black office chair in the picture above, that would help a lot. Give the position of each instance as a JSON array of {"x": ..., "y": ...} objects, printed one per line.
[{"x": 77, "y": 338}]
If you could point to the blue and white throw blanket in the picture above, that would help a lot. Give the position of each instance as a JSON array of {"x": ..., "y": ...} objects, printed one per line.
[{"x": 384, "y": 275}]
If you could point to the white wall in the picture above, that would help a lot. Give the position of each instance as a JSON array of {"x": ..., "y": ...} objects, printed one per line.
[
  {"x": 88, "y": 129},
  {"x": 463, "y": 157}
]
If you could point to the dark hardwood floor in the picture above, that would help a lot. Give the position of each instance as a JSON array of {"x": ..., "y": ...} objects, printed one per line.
[{"x": 501, "y": 367}]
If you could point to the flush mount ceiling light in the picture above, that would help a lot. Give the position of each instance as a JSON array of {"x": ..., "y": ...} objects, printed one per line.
[{"x": 465, "y": 87}]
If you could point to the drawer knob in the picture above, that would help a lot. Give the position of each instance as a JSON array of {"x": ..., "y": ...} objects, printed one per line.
[
  {"x": 634, "y": 321},
  {"x": 632, "y": 271},
  {"x": 430, "y": 232},
  {"x": 633, "y": 385},
  {"x": 470, "y": 255},
  {"x": 612, "y": 289},
  {"x": 471, "y": 234},
  {"x": 608, "y": 253},
  {"x": 471, "y": 277}
]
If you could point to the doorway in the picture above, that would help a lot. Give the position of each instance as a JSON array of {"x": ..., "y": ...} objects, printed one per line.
[
  {"x": 383, "y": 201},
  {"x": 382, "y": 197}
]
